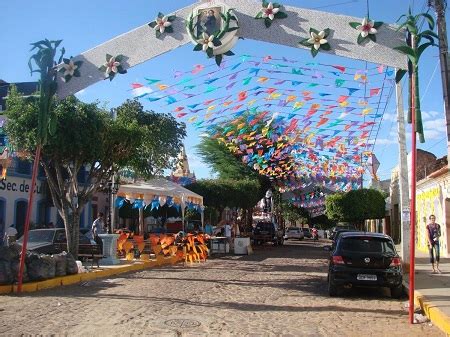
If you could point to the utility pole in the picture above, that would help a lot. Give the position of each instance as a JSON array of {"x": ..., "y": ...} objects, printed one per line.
[
  {"x": 440, "y": 7},
  {"x": 403, "y": 178}
]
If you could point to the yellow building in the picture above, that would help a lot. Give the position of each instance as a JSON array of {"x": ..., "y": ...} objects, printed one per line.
[{"x": 433, "y": 197}]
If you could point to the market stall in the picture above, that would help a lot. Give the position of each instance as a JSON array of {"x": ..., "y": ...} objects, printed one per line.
[{"x": 156, "y": 193}]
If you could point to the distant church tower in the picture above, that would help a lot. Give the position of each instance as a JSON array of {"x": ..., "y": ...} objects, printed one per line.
[{"x": 182, "y": 175}]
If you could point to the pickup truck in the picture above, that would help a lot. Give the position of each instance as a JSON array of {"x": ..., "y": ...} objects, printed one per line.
[{"x": 266, "y": 231}]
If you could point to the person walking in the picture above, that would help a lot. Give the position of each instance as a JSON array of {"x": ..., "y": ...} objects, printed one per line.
[{"x": 433, "y": 235}]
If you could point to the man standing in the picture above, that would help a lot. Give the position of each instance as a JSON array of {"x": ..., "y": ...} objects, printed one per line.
[
  {"x": 433, "y": 235},
  {"x": 98, "y": 228},
  {"x": 10, "y": 236},
  {"x": 228, "y": 233}
]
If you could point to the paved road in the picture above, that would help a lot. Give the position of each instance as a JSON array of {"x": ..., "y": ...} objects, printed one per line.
[{"x": 276, "y": 291}]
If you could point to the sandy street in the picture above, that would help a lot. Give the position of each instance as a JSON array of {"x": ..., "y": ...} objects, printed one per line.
[{"x": 278, "y": 291}]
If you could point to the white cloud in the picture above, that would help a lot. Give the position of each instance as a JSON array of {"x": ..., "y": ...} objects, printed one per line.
[
  {"x": 431, "y": 114},
  {"x": 386, "y": 141},
  {"x": 389, "y": 117}
]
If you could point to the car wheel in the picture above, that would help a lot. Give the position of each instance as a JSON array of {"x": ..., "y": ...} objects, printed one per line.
[
  {"x": 397, "y": 292},
  {"x": 332, "y": 288}
]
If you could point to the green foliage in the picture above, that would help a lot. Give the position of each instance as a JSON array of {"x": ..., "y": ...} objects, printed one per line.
[
  {"x": 85, "y": 135},
  {"x": 334, "y": 208},
  {"x": 220, "y": 193},
  {"x": 293, "y": 213},
  {"x": 413, "y": 50},
  {"x": 355, "y": 206},
  {"x": 227, "y": 165},
  {"x": 322, "y": 222},
  {"x": 161, "y": 142}
]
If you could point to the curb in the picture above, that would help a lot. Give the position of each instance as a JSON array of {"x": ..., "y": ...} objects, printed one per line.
[
  {"x": 77, "y": 278},
  {"x": 434, "y": 314}
]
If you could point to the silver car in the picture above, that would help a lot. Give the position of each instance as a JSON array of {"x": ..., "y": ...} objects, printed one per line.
[{"x": 294, "y": 233}]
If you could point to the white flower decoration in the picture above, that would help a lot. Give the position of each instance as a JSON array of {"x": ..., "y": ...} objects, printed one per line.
[
  {"x": 69, "y": 69},
  {"x": 366, "y": 27},
  {"x": 269, "y": 11},
  {"x": 111, "y": 66},
  {"x": 317, "y": 39},
  {"x": 162, "y": 23},
  {"x": 206, "y": 41}
]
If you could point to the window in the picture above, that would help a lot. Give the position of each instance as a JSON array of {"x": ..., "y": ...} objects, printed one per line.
[
  {"x": 21, "y": 210},
  {"x": 40, "y": 236},
  {"x": 60, "y": 236},
  {"x": 367, "y": 245}
]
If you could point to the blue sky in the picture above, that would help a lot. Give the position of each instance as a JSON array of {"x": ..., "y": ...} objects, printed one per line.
[{"x": 84, "y": 24}]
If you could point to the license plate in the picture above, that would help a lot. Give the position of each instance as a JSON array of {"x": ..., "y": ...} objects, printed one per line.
[{"x": 366, "y": 277}]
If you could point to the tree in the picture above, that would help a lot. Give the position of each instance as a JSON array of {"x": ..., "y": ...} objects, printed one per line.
[
  {"x": 293, "y": 213},
  {"x": 221, "y": 193},
  {"x": 224, "y": 162},
  {"x": 85, "y": 137},
  {"x": 161, "y": 142},
  {"x": 334, "y": 208},
  {"x": 250, "y": 186},
  {"x": 355, "y": 206}
]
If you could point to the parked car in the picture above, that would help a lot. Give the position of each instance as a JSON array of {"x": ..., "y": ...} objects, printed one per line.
[
  {"x": 307, "y": 233},
  {"x": 268, "y": 232},
  {"x": 341, "y": 227},
  {"x": 50, "y": 241},
  {"x": 367, "y": 260},
  {"x": 294, "y": 233}
]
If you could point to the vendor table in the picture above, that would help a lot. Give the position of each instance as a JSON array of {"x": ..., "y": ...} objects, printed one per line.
[{"x": 219, "y": 245}]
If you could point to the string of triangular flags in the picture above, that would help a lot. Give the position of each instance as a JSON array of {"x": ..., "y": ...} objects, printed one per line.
[{"x": 302, "y": 124}]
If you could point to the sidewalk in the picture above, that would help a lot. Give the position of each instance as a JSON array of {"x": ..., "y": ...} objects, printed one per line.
[{"x": 432, "y": 291}]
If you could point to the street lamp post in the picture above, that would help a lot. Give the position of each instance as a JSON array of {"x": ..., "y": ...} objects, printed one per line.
[
  {"x": 114, "y": 189},
  {"x": 269, "y": 196},
  {"x": 111, "y": 188}
]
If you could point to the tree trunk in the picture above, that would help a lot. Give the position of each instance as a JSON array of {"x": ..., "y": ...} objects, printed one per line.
[{"x": 72, "y": 226}]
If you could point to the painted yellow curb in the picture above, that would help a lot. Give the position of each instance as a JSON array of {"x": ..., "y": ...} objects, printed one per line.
[
  {"x": 137, "y": 266},
  {"x": 6, "y": 289},
  {"x": 121, "y": 270},
  {"x": 51, "y": 283},
  {"x": 439, "y": 318},
  {"x": 77, "y": 278},
  {"x": 71, "y": 279},
  {"x": 26, "y": 287},
  {"x": 89, "y": 276},
  {"x": 150, "y": 264}
]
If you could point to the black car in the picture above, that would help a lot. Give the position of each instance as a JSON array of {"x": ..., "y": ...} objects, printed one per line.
[
  {"x": 338, "y": 228},
  {"x": 307, "y": 233},
  {"x": 367, "y": 260},
  {"x": 51, "y": 241},
  {"x": 266, "y": 231}
]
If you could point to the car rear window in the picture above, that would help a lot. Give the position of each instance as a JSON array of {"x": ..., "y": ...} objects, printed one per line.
[
  {"x": 264, "y": 226},
  {"x": 367, "y": 245}
]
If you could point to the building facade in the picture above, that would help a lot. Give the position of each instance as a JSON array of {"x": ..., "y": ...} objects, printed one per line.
[{"x": 432, "y": 197}]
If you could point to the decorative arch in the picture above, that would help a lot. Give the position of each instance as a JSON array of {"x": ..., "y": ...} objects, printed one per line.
[{"x": 141, "y": 44}]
